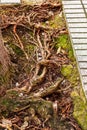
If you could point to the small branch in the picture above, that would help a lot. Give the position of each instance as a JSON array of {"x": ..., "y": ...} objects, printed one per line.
[
  {"x": 4, "y": 126},
  {"x": 14, "y": 30},
  {"x": 40, "y": 46},
  {"x": 48, "y": 62}
]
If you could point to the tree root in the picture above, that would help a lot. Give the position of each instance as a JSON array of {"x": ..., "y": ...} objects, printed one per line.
[
  {"x": 28, "y": 85},
  {"x": 48, "y": 62},
  {"x": 4, "y": 57},
  {"x": 20, "y": 42},
  {"x": 47, "y": 91},
  {"x": 37, "y": 79}
]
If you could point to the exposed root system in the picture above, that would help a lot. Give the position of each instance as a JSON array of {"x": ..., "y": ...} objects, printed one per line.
[{"x": 35, "y": 99}]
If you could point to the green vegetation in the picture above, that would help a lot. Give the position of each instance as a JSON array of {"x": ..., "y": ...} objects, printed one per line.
[
  {"x": 63, "y": 41},
  {"x": 67, "y": 70},
  {"x": 12, "y": 101},
  {"x": 71, "y": 73},
  {"x": 57, "y": 22},
  {"x": 80, "y": 107}
]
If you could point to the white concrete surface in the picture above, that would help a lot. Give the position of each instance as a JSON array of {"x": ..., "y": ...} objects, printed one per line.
[{"x": 76, "y": 17}]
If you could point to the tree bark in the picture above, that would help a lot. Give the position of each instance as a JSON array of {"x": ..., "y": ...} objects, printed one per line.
[{"x": 4, "y": 57}]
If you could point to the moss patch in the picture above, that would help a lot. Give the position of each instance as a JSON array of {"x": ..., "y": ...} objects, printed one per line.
[
  {"x": 66, "y": 70},
  {"x": 63, "y": 41},
  {"x": 80, "y": 108},
  {"x": 57, "y": 22},
  {"x": 70, "y": 72}
]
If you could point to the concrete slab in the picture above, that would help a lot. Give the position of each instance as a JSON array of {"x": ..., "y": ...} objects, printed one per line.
[
  {"x": 80, "y": 30},
  {"x": 72, "y": 6},
  {"x": 72, "y": 2},
  {"x": 74, "y": 10},
  {"x": 80, "y": 47},
  {"x": 75, "y": 15},
  {"x": 10, "y": 1},
  {"x": 84, "y": 73},
  {"x": 85, "y": 80},
  {"x": 81, "y": 25},
  {"x": 79, "y": 35},
  {"x": 76, "y": 20},
  {"x": 82, "y": 58},
  {"x": 79, "y": 41},
  {"x": 22, "y": 1},
  {"x": 84, "y": 1},
  {"x": 81, "y": 52},
  {"x": 85, "y": 5},
  {"x": 83, "y": 65}
]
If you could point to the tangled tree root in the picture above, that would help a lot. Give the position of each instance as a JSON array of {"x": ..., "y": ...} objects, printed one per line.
[{"x": 27, "y": 97}]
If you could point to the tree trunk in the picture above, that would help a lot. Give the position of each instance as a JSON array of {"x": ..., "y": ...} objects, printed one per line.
[{"x": 4, "y": 57}]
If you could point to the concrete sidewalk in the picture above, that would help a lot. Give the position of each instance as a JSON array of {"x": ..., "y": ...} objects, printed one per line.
[{"x": 76, "y": 17}]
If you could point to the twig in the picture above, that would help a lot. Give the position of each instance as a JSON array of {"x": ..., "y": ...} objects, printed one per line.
[
  {"x": 21, "y": 109},
  {"x": 48, "y": 62},
  {"x": 4, "y": 126},
  {"x": 14, "y": 30},
  {"x": 40, "y": 46},
  {"x": 15, "y": 125}
]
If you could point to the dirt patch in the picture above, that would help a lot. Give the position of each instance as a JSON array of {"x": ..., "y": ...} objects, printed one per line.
[{"x": 38, "y": 94}]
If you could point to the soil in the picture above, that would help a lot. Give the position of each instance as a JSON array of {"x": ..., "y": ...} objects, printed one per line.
[{"x": 38, "y": 94}]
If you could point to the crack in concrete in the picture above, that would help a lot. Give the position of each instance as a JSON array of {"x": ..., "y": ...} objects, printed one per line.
[{"x": 84, "y": 8}]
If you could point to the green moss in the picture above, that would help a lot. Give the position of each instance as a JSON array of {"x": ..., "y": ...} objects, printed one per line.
[
  {"x": 57, "y": 22},
  {"x": 66, "y": 70},
  {"x": 16, "y": 49},
  {"x": 29, "y": 48},
  {"x": 8, "y": 104},
  {"x": 74, "y": 78},
  {"x": 12, "y": 93},
  {"x": 63, "y": 41},
  {"x": 45, "y": 109},
  {"x": 5, "y": 79},
  {"x": 71, "y": 73},
  {"x": 80, "y": 108}
]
